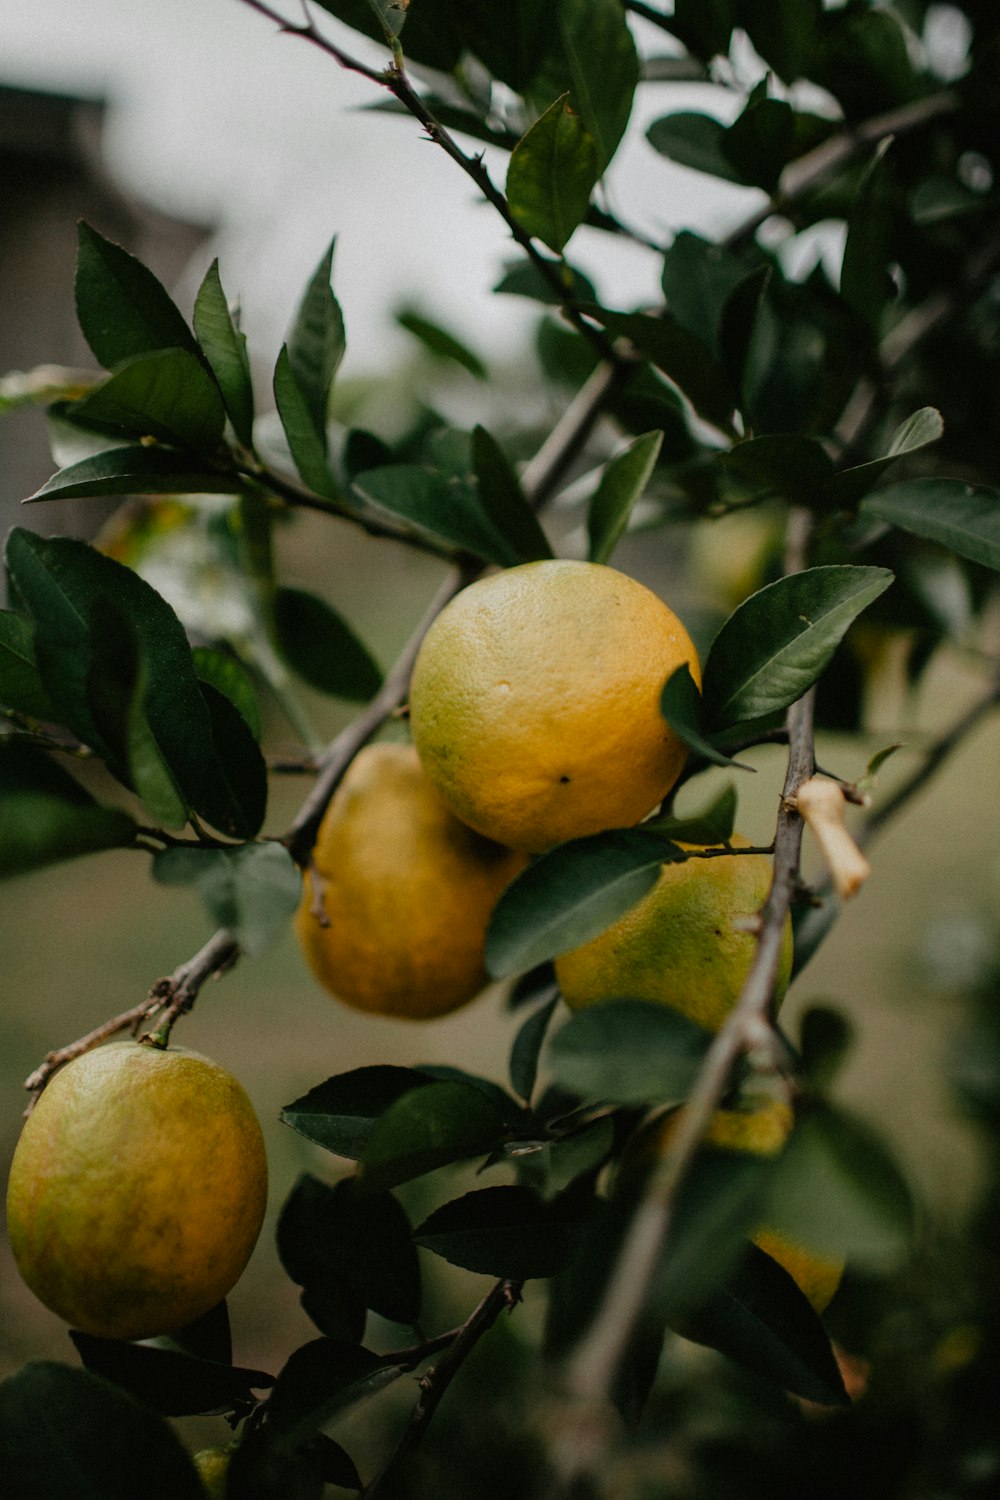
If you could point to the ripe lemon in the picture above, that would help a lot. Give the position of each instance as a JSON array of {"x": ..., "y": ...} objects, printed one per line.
[
  {"x": 137, "y": 1190},
  {"x": 686, "y": 943},
  {"x": 535, "y": 702},
  {"x": 407, "y": 890},
  {"x": 213, "y": 1467}
]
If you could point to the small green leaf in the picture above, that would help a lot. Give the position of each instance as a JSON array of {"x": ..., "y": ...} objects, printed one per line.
[
  {"x": 229, "y": 677},
  {"x": 167, "y": 394},
  {"x": 427, "y": 1128},
  {"x": 321, "y": 647},
  {"x": 225, "y": 348},
  {"x": 693, "y": 140},
  {"x": 340, "y": 1114},
  {"x": 21, "y": 687},
  {"x": 570, "y": 895},
  {"x": 306, "y": 445},
  {"x": 527, "y": 1046},
  {"x": 681, "y": 706},
  {"x": 173, "y": 1383},
  {"x": 849, "y": 485},
  {"x": 551, "y": 175},
  {"x": 624, "y": 478},
  {"x": 46, "y": 816},
  {"x": 502, "y": 1231},
  {"x": 623, "y": 1051},
  {"x": 122, "y": 308},
  {"x": 965, "y": 518},
  {"x": 254, "y": 890},
  {"x": 603, "y": 69},
  {"x": 793, "y": 467},
  {"x": 440, "y": 343},
  {"x": 779, "y": 641},
  {"x": 136, "y": 471},
  {"x": 522, "y": 278},
  {"x": 391, "y": 15},
  {"x": 316, "y": 346},
  {"x": 712, "y": 825},
  {"x": 503, "y": 499},
  {"x": 446, "y": 508}
]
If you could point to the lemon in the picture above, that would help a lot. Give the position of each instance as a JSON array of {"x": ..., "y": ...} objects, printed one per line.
[
  {"x": 688, "y": 943},
  {"x": 213, "y": 1467},
  {"x": 535, "y": 702},
  {"x": 137, "y": 1190},
  {"x": 407, "y": 890}
]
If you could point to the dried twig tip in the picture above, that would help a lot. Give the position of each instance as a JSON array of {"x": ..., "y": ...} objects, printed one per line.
[{"x": 821, "y": 805}]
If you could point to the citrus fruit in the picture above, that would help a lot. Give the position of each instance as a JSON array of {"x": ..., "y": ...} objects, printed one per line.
[
  {"x": 137, "y": 1190},
  {"x": 407, "y": 891},
  {"x": 688, "y": 943},
  {"x": 213, "y": 1467},
  {"x": 535, "y": 702}
]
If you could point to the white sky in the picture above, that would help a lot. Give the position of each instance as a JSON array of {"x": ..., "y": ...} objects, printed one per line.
[{"x": 215, "y": 116}]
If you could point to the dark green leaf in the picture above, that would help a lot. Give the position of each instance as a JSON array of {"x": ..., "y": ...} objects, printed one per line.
[
  {"x": 527, "y": 1046},
  {"x": 254, "y": 890},
  {"x": 693, "y": 140},
  {"x": 965, "y": 518},
  {"x": 761, "y": 141},
  {"x": 21, "y": 687},
  {"x": 849, "y": 485},
  {"x": 502, "y": 1231},
  {"x": 784, "y": 35},
  {"x": 172, "y": 1383},
  {"x": 229, "y": 677},
  {"x": 551, "y": 174},
  {"x": 337, "y": 1466},
  {"x": 704, "y": 26},
  {"x": 508, "y": 1109},
  {"x": 622, "y": 482},
  {"x": 340, "y": 1114},
  {"x": 681, "y": 706},
  {"x": 603, "y": 69},
  {"x": 522, "y": 278},
  {"x": 824, "y": 1042},
  {"x": 319, "y": 1381},
  {"x": 739, "y": 325},
  {"x": 136, "y": 471},
  {"x": 391, "y": 15},
  {"x": 777, "y": 643},
  {"x": 566, "y": 1158},
  {"x": 225, "y": 348},
  {"x": 427, "y": 1128},
  {"x": 46, "y": 816},
  {"x": 306, "y": 445},
  {"x": 623, "y": 1051},
  {"x": 712, "y": 825},
  {"x": 679, "y": 354},
  {"x": 316, "y": 346},
  {"x": 503, "y": 499},
  {"x": 442, "y": 344},
  {"x": 788, "y": 465},
  {"x": 208, "y": 1337},
  {"x": 336, "y": 1310},
  {"x": 122, "y": 308},
  {"x": 571, "y": 894},
  {"x": 321, "y": 647},
  {"x": 244, "y": 774},
  {"x": 763, "y": 1321},
  {"x": 865, "y": 283},
  {"x": 67, "y": 1432},
  {"x": 698, "y": 280},
  {"x": 432, "y": 503},
  {"x": 167, "y": 394}
]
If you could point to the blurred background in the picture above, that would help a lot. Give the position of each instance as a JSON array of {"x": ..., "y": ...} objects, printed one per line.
[{"x": 193, "y": 130}]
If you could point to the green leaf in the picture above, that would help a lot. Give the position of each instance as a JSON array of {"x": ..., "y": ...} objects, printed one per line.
[
  {"x": 740, "y": 318},
  {"x": 254, "y": 891},
  {"x": 316, "y": 345},
  {"x": 231, "y": 678},
  {"x": 320, "y": 1380},
  {"x": 429, "y": 1127},
  {"x": 21, "y": 687},
  {"x": 778, "y": 642},
  {"x": 527, "y": 1046},
  {"x": 693, "y": 140},
  {"x": 704, "y": 26},
  {"x": 168, "y": 395},
  {"x": 522, "y": 278},
  {"x": 570, "y": 895},
  {"x": 321, "y": 647},
  {"x": 225, "y": 348},
  {"x": 306, "y": 445},
  {"x": 825, "y": 1039},
  {"x": 46, "y": 816},
  {"x": 567, "y": 1158},
  {"x": 502, "y": 1231},
  {"x": 789, "y": 465},
  {"x": 965, "y": 518},
  {"x": 837, "y": 1191},
  {"x": 713, "y": 824},
  {"x": 340, "y": 1114},
  {"x": 434, "y": 504},
  {"x": 698, "y": 279},
  {"x": 623, "y": 1051},
  {"x": 681, "y": 706},
  {"x": 761, "y": 141},
  {"x": 173, "y": 1383},
  {"x": 551, "y": 174},
  {"x": 503, "y": 499},
  {"x": 848, "y": 486},
  {"x": 136, "y": 471},
  {"x": 679, "y": 354},
  {"x": 440, "y": 343},
  {"x": 785, "y": 34},
  {"x": 603, "y": 69},
  {"x": 624, "y": 478},
  {"x": 865, "y": 283},
  {"x": 67, "y": 1432},
  {"x": 391, "y": 15},
  {"x": 122, "y": 308}
]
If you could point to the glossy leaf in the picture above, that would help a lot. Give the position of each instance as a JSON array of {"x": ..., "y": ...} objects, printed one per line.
[
  {"x": 965, "y": 518},
  {"x": 64, "y": 1431},
  {"x": 777, "y": 643},
  {"x": 527, "y": 1046},
  {"x": 391, "y": 15},
  {"x": 429, "y": 1127},
  {"x": 167, "y": 394},
  {"x": 21, "y": 687},
  {"x": 172, "y": 1383},
  {"x": 502, "y": 1231},
  {"x": 340, "y": 1114},
  {"x": 306, "y": 445},
  {"x": 122, "y": 308},
  {"x": 316, "y": 346},
  {"x": 503, "y": 499},
  {"x": 551, "y": 174},
  {"x": 254, "y": 890},
  {"x": 440, "y": 343},
  {"x": 570, "y": 895},
  {"x": 679, "y": 354},
  {"x": 321, "y": 647},
  {"x": 46, "y": 816},
  {"x": 229, "y": 677},
  {"x": 848, "y": 485},
  {"x": 713, "y": 824},
  {"x": 624, "y": 478},
  {"x": 623, "y": 1051},
  {"x": 136, "y": 471},
  {"x": 225, "y": 348},
  {"x": 681, "y": 706},
  {"x": 436, "y": 505},
  {"x": 603, "y": 69}
]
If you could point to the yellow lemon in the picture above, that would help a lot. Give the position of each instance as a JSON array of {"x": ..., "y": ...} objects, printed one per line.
[
  {"x": 535, "y": 702},
  {"x": 137, "y": 1190},
  {"x": 688, "y": 943},
  {"x": 407, "y": 891},
  {"x": 213, "y": 1466}
]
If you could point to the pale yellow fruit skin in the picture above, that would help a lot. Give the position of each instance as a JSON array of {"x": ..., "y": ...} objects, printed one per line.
[
  {"x": 682, "y": 944},
  {"x": 535, "y": 702},
  {"x": 137, "y": 1190},
  {"x": 407, "y": 889},
  {"x": 213, "y": 1466}
]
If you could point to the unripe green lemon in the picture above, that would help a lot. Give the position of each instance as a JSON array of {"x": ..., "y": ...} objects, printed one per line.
[
  {"x": 688, "y": 943},
  {"x": 137, "y": 1190},
  {"x": 535, "y": 702},
  {"x": 406, "y": 889}
]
